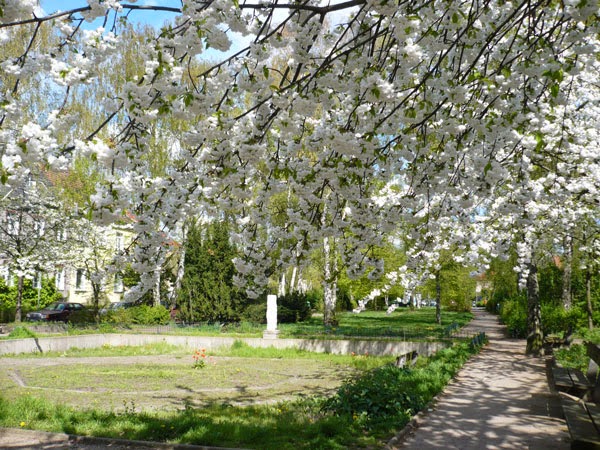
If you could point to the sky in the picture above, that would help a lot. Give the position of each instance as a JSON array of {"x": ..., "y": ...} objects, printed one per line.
[
  {"x": 158, "y": 18},
  {"x": 154, "y": 18}
]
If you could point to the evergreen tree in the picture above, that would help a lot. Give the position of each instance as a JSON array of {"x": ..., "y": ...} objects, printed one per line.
[{"x": 207, "y": 292}]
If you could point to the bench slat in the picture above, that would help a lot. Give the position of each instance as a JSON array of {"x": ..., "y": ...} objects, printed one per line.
[
  {"x": 579, "y": 379},
  {"x": 594, "y": 412},
  {"x": 581, "y": 428},
  {"x": 562, "y": 377}
]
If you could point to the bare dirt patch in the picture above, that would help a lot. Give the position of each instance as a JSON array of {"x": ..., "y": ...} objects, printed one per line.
[{"x": 168, "y": 382}]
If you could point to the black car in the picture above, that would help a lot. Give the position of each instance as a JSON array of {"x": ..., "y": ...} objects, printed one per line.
[{"x": 59, "y": 311}]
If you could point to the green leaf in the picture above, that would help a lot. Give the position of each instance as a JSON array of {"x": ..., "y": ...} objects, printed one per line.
[
  {"x": 188, "y": 98},
  {"x": 539, "y": 138},
  {"x": 376, "y": 92},
  {"x": 455, "y": 17},
  {"x": 487, "y": 168},
  {"x": 266, "y": 72},
  {"x": 554, "y": 90},
  {"x": 555, "y": 75}
]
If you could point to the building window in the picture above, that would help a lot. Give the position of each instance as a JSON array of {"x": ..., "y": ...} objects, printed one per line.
[
  {"x": 80, "y": 280},
  {"x": 118, "y": 285},
  {"x": 60, "y": 279},
  {"x": 38, "y": 227},
  {"x": 61, "y": 235},
  {"x": 12, "y": 225}
]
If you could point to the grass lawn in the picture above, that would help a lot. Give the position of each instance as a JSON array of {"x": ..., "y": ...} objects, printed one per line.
[
  {"x": 402, "y": 324},
  {"x": 243, "y": 396},
  {"x": 163, "y": 377}
]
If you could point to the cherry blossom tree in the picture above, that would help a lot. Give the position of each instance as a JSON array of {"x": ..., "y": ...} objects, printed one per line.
[
  {"x": 412, "y": 112},
  {"x": 33, "y": 233}
]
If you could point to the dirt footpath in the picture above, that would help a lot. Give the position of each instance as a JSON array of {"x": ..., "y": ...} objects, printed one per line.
[{"x": 499, "y": 400}]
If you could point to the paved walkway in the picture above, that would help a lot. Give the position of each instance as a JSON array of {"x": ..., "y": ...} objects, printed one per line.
[{"x": 499, "y": 400}]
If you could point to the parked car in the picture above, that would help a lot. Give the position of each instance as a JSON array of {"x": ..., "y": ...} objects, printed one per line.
[{"x": 59, "y": 311}]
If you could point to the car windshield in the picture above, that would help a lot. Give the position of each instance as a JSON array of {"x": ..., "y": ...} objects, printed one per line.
[{"x": 56, "y": 307}]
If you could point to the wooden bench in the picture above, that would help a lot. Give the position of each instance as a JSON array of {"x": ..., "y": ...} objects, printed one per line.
[
  {"x": 450, "y": 329},
  {"x": 552, "y": 342},
  {"x": 478, "y": 340},
  {"x": 574, "y": 381},
  {"x": 407, "y": 359},
  {"x": 581, "y": 414},
  {"x": 571, "y": 381},
  {"x": 583, "y": 420}
]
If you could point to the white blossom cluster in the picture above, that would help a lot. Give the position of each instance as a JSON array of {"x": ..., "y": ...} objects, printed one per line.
[{"x": 466, "y": 124}]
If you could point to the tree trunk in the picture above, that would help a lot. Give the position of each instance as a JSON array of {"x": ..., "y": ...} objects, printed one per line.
[
  {"x": 329, "y": 287},
  {"x": 281, "y": 290},
  {"x": 180, "y": 271},
  {"x": 96, "y": 291},
  {"x": 156, "y": 288},
  {"x": 535, "y": 336},
  {"x": 588, "y": 297},
  {"x": 567, "y": 271},
  {"x": 438, "y": 298},
  {"x": 293, "y": 279},
  {"x": 18, "y": 311}
]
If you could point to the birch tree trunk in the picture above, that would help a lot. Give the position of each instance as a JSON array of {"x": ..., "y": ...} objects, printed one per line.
[
  {"x": 535, "y": 335},
  {"x": 156, "y": 289},
  {"x": 281, "y": 290},
  {"x": 329, "y": 286},
  {"x": 293, "y": 279},
  {"x": 180, "y": 269}
]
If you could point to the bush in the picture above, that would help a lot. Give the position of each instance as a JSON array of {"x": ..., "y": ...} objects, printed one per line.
[
  {"x": 140, "y": 315},
  {"x": 8, "y": 297},
  {"x": 573, "y": 357},
  {"x": 150, "y": 315},
  {"x": 291, "y": 308},
  {"x": 256, "y": 313},
  {"x": 380, "y": 394},
  {"x": 513, "y": 313},
  {"x": 390, "y": 394},
  {"x": 555, "y": 319},
  {"x": 21, "y": 333}
]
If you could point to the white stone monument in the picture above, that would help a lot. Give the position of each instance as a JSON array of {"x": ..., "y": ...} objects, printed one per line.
[{"x": 271, "y": 331}]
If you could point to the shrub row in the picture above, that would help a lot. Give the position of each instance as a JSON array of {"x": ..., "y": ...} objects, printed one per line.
[
  {"x": 555, "y": 319},
  {"x": 138, "y": 315},
  {"x": 392, "y": 395}
]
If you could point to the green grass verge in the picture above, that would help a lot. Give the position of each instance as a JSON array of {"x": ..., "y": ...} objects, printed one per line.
[
  {"x": 366, "y": 411},
  {"x": 404, "y": 323}
]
